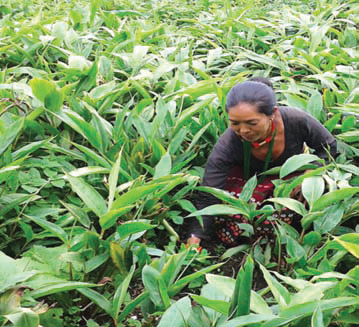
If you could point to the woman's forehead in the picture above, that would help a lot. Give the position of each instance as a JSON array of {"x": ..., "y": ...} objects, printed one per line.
[{"x": 245, "y": 111}]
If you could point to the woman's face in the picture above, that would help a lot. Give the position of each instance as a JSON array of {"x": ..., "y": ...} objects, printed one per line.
[{"x": 248, "y": 123}]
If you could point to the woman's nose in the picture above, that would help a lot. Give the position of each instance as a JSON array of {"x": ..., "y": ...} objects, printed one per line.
[{"x": 243, "y": 130}]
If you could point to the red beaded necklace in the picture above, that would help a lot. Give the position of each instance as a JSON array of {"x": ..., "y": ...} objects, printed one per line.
[{"x": 266, "y": 140}]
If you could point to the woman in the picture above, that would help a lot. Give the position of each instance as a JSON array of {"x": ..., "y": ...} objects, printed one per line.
[{"x": 261, "y": 136}]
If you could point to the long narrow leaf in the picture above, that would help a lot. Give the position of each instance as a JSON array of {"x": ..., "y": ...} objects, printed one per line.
[
  {"x": 88, "y": 194},
  {"x": 113, "y": 178},
  {"x": 217, "y": 305},
  {"x": 335, "y": 196},
  {"x": 59, "y": 287},
  {"x": 55, "y": 230},
  {"x": 98, "y": 299},
  {"x": 303, "y": 310},
  {"x": 247, "y": 320},
  {"x": 135, "y": 194},
  {"x": 121, "y": 292},
  {"x": 9, "y": 134},
  {"x": 244, "y": 295},
  {"x": 219, "y": 209}
]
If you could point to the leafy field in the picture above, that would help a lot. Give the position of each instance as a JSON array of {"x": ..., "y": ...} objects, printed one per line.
[{"x": 108, "y": 112}]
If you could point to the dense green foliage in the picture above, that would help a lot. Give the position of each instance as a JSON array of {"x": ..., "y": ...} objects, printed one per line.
[{"x": 108, "y": 112}]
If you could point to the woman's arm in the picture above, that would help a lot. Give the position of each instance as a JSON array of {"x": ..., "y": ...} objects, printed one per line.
[{"x": 218, "y": 166}]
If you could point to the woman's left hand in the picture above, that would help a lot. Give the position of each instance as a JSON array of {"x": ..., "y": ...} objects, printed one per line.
[{"x": 297, "y": 194}]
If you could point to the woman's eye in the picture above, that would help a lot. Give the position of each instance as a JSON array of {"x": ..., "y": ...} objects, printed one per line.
[{"x": 253, "y": 124}]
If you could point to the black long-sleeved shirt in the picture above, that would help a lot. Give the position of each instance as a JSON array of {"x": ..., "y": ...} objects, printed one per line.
[{"x": 299, "y": 128}]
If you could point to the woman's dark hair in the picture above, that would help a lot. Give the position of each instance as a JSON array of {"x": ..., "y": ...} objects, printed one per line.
[
  {"x": 263, "y": 80},
  {"x": 255, "y": 93}
]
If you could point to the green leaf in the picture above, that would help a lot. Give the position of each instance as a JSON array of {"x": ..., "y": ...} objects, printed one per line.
[
  {"x": 217, "y": 305},
  {"x": 24, "y": 318},
  {"x": 333, "y": 197},
  {"x": 94, "y": 156},
  {"x": 312, "y": 238},
  {"x": 41, "y": 87},
  {"x": 84, "y": 171},
  {"x": 233, "y": 251},
  {"x": 96, "y": 262},
  {"x": 118, "y": 256},
  {"x": 110, "y": 218},
  {"x": 150, "y": 278},
  {"x": 89, "y": 195},
  {"x": 310, "y": 218},
  {"x": 172, "y": 267},
  {"x": 177, "y": 314},
  {"x": 315, "y": 105},
  {"x": 186, "y": 205},
  {"x": 248, "y": 189},
  {"x": 132, "y": 227},
  {"x": 59, "y": 287},
  {"x": 226, "y": 285},
  {"x": 53, "y": 100},
  {"x": 294, "y": 249},
  {"x": 163, "y": 292},
  {"x": 348, "y": 123},
  {"x": 27, "y": 149},
  {"x": 97, "y": 298},
  {"x": 224, "y": 196},
  {"x": 302, "y": 310},
  {"x": 222, "y": 283},
  {"x": 78, "y": 213},
  {"x": 132, "y": 305},
  {"x": 280, "y": 293},
  {"x": 113, "y": 178},
  {"x": 264, "y": 60},
  {"x": 313, "y": 189},
  {"x": 4, "y": 172},
  {"x": 350, "y": 137},
  {"x": 200, "y": 88},
  {"x": 212, "y": 55},
  {"x": 189, "y": 112},
  {"x": 331, "y": 123},
  {"x": 87, "y": 81},
  {"x": 180, "y": 284},
  {"x": 247, "y": 320},
  {"x": 17, "y": 199},
  {"x": 317, "y": 318},
  {"x": 350, "y": 242},
  {"x": 135, "y": 194},
  {"x": 259, "y": 305},
  {"x": 8, "y": 135},
  {"x": 197, "y": 137},
  {"x": 291, "y": 204},
  {"x": 177, "y": 140},
  {"x": 242, "y": 292},
  {"x": 94, "y": 8},
  {"x": 120, "y": 293},
  {"x": 163, "y": 167},
  {"x": 55, "y": 230},
  {"x": 9, "y": 277},
  {"x": 295, "y": 162},
  {"x": 219, "y": 209},
  {"x": 82, "y": 127}
]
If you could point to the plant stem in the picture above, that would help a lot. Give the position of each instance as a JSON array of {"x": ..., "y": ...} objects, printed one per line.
[
  {"x": 170, "y": 229},
  {"x": 302, "y": 234}
]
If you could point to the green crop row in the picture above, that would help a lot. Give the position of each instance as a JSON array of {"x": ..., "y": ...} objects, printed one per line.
[{"x": 108, "y": 112}]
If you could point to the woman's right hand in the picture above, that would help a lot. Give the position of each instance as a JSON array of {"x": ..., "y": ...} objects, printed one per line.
[{"x": 193, "y": 240}]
